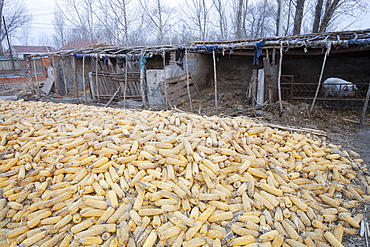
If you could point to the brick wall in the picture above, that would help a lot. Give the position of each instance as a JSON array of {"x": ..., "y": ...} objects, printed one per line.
[
  {"x": 45, "y": 61},
  {"x": 20, "y": 79},
  {"x": 40, "y": 64}
]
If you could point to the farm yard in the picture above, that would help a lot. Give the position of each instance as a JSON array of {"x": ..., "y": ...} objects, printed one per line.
[{"x": 92, "y": 158}]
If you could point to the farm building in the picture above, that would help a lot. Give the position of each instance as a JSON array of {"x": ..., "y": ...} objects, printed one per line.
[
  {"x": 266, "y": 69},
  {"x": 21, "y": 52},
  {"x": 76, "y": 174}
]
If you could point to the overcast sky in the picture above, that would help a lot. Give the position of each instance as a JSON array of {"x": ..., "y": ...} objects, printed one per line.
[{"x": 42, "y": 12}]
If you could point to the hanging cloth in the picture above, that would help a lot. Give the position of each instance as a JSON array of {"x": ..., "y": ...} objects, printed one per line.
[{"x": 258, "y": 51}]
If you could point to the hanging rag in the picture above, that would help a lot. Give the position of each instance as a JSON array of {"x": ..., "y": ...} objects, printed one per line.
[
  {"x": 105, "y": 59},
  {"x": 258, "y": 51},
  {"x": 142, "y": 62},
  {"x": 179, "y": 59},
  {"x": 208, "y": 47},
  {"x": 78, "y": 56}
]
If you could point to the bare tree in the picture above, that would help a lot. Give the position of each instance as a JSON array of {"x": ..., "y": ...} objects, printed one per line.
[
  {"x": 196, "y": 16},
  {"x": 44, "y": 39},
  {"x": 158, "y": 14},
  {"x": 316, "y": 21},
  {"x": 138, "y": 33},
  {"x": 120, "y": 20},
  {"x": 298, "y": 16},
  {"x": 15, "y": 14},
  {"x": 241, "y": 8},
  {"x": 59, "y": 28},
  {"x": 222, "y": 18},
  {"x": 80, "y": 15},
  {"x": 23, "y": 34},
  {"x": 261, "y": 18},
  {"x": 329, "y": 12}
]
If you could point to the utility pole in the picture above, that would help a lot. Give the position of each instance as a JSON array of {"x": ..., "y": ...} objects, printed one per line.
[{"x": 7, "y": 37}]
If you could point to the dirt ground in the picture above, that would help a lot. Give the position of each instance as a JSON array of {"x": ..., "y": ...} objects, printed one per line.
[{"x": 340, "y": 125}]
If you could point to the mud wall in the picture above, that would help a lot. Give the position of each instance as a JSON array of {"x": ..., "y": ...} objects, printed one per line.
[
  {"x": 200, "y": 66},
  {"x": 351, "y": 66},
  {"x": 234, "y": 71}
]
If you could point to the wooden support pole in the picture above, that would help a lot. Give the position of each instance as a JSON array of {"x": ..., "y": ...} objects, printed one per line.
[
  {"x": 64, "y": 76},
  {"x": 364, "y": 108},
  {"x": 29, "y": 70},
  {"x": 187, "y": 80},
  {"x": 74, "y": 77},
  {"x": 57, "y": 79},
  {"x": 142, "y": 81},
  {"x": 37, "y": 82},
  {"x": 279, "y": 78},
  {"x": 215, "y": 80},
  {"x": 125, "y": 86},
  {"x": 83, "y": 77},
  {"x": 96, "y": 77},
  {"x": 164, "y": 77},
  {"x": 321, "y": 74}
]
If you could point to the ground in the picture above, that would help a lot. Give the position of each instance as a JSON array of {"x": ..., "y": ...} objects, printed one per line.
[{"x": 340, "y": 125}]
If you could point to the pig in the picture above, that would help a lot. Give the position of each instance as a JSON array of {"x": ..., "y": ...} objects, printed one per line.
[{"x": 337, "y": 87}]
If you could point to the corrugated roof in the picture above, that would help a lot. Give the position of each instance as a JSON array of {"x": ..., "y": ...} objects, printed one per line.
[{"x": 34, "y": 49}]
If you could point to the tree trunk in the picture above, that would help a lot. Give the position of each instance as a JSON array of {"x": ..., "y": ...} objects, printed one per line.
[
  {"x": 329, "y": 12},
  {"x": 316, "y": 21},
  {"x": 239, "y": 16},
  {"x": 278, "y": 18},
  {"x": 298, "y": 17},
  {"x": 244, "y": 18},
  {"x": 288, "y": 18}
]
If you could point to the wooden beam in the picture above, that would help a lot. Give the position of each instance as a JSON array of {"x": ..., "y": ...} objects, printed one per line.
[
  {"x": 165, "y": 79},
  {"x": 29, "y": 70},
  {"x": 187, "y": 79},
  {"x": 279, "y": 78},
  {"x": 321, "y": 74},
  {"x": 364, "y": 108},
  {"x": 215, "y": 80},
  {"x": 83, "y": 77},
  {"x": 96, "y": 77},
  {"x": 74, "y": 77}
]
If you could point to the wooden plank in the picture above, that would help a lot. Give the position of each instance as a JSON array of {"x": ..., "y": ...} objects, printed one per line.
[
  {"x": 136, "y": 87},
  {"x": 181, "y": 92},
  {"x": 364, "y": 108},
  {"x": 182, "y": 98},
  {"x": 74, "y": 77},
  {"x": 131, "y": 88},
  {"x": 177, "y": 79},
  {"x": 178, "y": 86}
]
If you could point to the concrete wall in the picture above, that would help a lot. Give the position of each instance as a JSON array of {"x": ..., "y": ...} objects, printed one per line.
[{"x": 155, "y": 96}]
